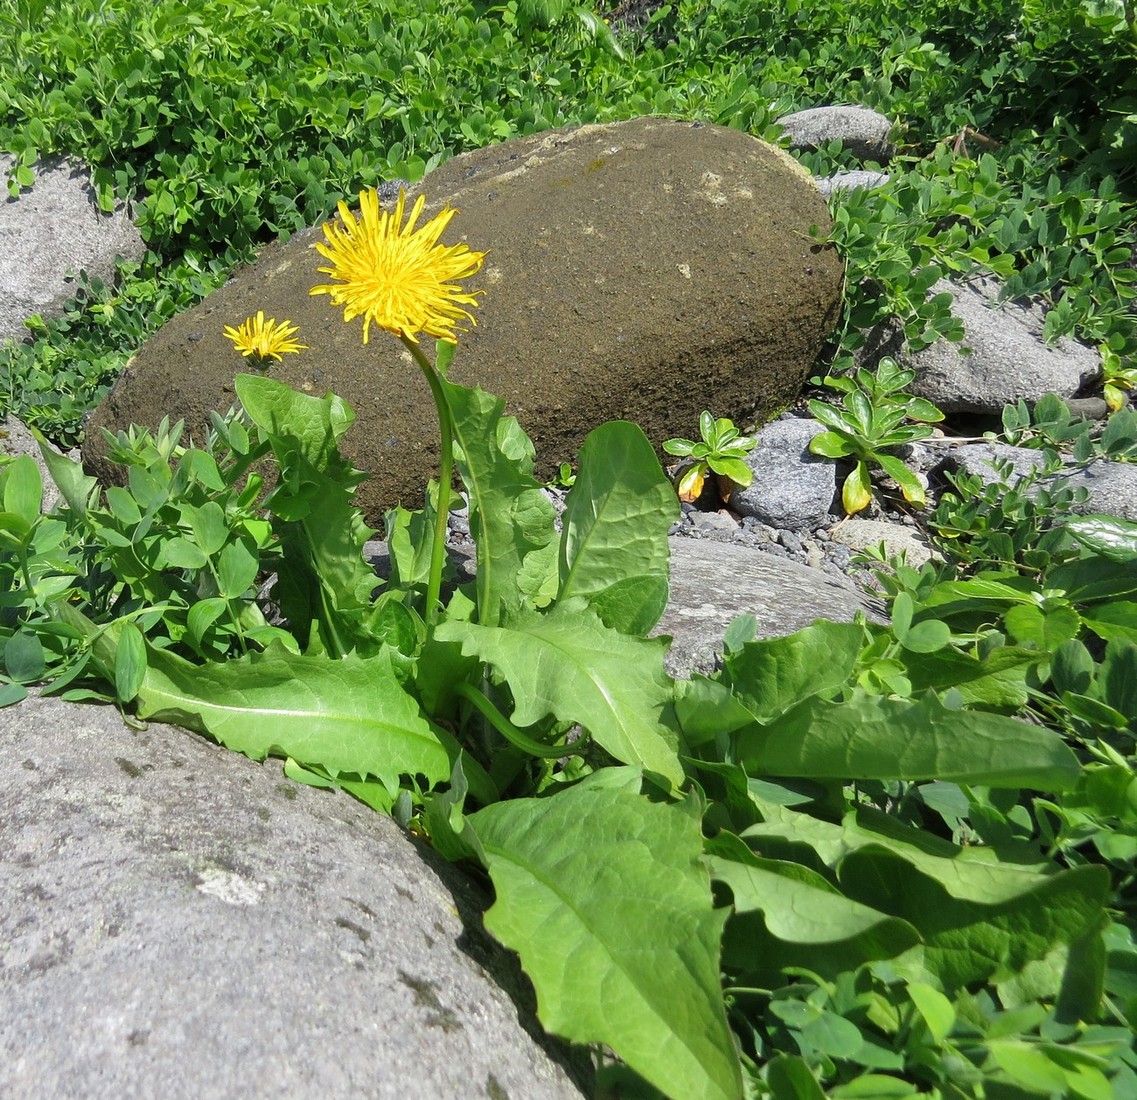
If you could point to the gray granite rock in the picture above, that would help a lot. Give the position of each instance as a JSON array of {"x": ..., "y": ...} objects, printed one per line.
[
  {"x": 865, "y": 133},
  {"x": 850, "y": 181},
  {"x": 634, "y": 268},
  {"x": 863, "y": 534},
  {"x": 714, "y": 582},
  {"x": 1112, "y": 488},
  {"x": 1002, "y": 358},
  {"x": 792, "y": 489},
  {"x": 48, "y": 234},
  {"x": 980, "y": 460},
  {"x": 177, "y": 921}
]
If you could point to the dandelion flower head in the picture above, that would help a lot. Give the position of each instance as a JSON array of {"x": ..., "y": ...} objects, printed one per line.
[
  {"x": 264, "y": 339},
  {"x": 395, "y": 276}
]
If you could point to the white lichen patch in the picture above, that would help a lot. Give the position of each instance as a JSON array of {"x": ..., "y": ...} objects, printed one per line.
[{"x": 230, "y": 887}]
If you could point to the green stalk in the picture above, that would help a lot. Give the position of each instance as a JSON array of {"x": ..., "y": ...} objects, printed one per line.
[
  {"x": 509, "y": 731},
  {"x": 445, "y": 473}
]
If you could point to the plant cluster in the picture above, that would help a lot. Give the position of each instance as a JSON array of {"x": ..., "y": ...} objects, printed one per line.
[
  {"x": 843, "y": 862},
  {"x": 1050, "y": 426},
  {"x": 721, "y": 450},
  {"x": 868, "y": 424},
  {"x": 1068, "y": 243},
  {"x": 232, "y": 124},
  {"x": 858, "y": 861}
]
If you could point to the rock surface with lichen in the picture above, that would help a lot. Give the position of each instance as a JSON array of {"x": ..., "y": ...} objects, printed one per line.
[{"x": 636, "y": 270}]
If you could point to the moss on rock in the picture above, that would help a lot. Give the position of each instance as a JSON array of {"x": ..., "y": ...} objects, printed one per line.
[{"x": 642, "y": 270}]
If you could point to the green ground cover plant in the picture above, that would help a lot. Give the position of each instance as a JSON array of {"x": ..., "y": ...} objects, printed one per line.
[
  {"x": 858, "y": 861},
  {"x": 874, "y": 417},
  {"x": 720, "y": 450},
  {"x": 232, "y": 124}
]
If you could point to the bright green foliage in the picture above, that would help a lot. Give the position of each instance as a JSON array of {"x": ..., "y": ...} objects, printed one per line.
[
  {"x": 1067, "y": 241},
  {"x": 138, "y": 594},
  {"x": 322, "y": 577},
  {"x": 567, "y": 664},
  {"x": 510, "y": 518},
  {"x": 805, "y": 920},
  {"x": 349, "y": 715},
  {"x": 868, "y": 423},
  {"x": 858, "y": 739},
  {"x": 722, "y": 450},
  {"x": 764, "y": 875},
  {"x": 618, "y": 934},
  {"x": 72, "y": 360},
  {"x": 614, "y": 549},
  {"x": 938, "y": 888},
  {"x": 1118, "y": 377},
  {"x": 1050, "y": 425}
]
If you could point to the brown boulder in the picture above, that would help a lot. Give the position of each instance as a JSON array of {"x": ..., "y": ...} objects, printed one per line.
[{"x": 644, "y": 270}]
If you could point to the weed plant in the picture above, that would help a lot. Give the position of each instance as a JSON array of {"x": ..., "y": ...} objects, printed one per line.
[{"x": 859, "y": 861}]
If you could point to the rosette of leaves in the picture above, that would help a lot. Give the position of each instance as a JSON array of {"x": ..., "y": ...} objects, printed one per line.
[
  {"x": 721, "y": 451},
  {"x": 870, "y": 422}
]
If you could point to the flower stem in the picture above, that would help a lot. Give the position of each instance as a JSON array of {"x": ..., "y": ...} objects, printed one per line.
[
  {"x": 445, "y": 473},
  {"x": 517, "y": 738}
]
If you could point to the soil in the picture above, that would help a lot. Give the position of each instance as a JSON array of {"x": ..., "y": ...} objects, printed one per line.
[{"x": 632, "y": 14}]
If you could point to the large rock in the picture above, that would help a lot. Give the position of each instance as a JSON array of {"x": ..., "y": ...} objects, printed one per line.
[
  {"x": 865, "y": 133},
  {"x": 1111, "y": 487},
  {"x": 636, "y": 270},
  {"x": 1003, "y": 356},
  {"x": 791, "y": 488},
  {"x": 178, "y": 921},
  {"x": 48, "y": 234},
  {"x": 715, "y": 582}
]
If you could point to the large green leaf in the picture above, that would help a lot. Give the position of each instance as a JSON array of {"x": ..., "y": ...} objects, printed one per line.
[
  {"x": 967, "y": 941},
  {"x": 1116, "y": 620},
  {"x": 1093, "y": 579},
  {"x": 616, "y": 520},
  {"x": 785, "y": 915},
  {"x": 869, "y": 737},
  {"x": 510, "y": 517},
  {"x": 567, "y": 663},
  {"x": 316, "y": 424},
  {"x": 997, "y": 679},
  {"x": 979, "y": 917},
  {"x": 1118, "y": 678},
  {"x": 604, "y": 895},
  {"x": 771, "y": 675},
  {"x": 348, "y": 715},
  {"x": 21, "y": 488},
  {"x": 1109, "y": 536},
  {"x": 74, "y": 486}
]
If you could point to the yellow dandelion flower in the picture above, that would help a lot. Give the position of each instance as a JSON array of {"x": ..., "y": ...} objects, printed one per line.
[
  {"x": 264, "y": 339},
  {"x": 396, "y": 276}
]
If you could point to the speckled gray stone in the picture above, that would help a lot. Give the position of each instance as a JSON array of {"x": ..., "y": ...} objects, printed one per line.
[
  {"x": 713, "y": 583},
  {"x": 48, "y": 234},
  {"x": 1002, "y": 357},
  {"x": 177, "y": 921},
  {"x": 792, "y": 489},
  {"x": 864, "y": 132},
  {"x": 861, "y": 534}
]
